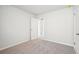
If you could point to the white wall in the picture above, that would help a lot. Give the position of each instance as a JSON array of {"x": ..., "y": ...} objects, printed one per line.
[
  {"x": 58, "y": 26},
  {"x": 14, "y": 26}
]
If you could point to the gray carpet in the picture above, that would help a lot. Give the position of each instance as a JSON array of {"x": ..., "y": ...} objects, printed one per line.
[{"x": 39, "y": 47}]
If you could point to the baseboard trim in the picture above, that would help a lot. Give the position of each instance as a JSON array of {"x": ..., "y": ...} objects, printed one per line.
[
  {"x": 9, "y": 46},
  {"x": 59, "y": 42},
  {"x": 28, "y": 40}
]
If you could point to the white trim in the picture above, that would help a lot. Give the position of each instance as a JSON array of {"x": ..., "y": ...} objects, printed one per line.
[
  {"x": 13, "y": 45},
  {"x": 75, "y": 26},
  {"x": 60, "y": 42}
]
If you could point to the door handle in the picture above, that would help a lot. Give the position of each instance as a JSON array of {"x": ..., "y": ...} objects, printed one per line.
[{"x": 77, "y": 34}]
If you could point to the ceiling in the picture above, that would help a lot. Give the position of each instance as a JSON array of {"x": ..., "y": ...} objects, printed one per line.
[{"x": 40, "y": 9}]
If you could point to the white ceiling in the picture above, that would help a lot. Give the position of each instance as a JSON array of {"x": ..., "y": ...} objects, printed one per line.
[{"x": 40, "y": 9}]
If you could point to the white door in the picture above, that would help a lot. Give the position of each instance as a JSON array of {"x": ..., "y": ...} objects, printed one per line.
[
  {"x": 34, "y": 28},
  {"x": 77, "y": 31},
  {"x": 42, "y": 21}
]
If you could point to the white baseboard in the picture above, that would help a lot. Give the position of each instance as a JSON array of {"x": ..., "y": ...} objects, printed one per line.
[
  {"x": 13, "y": 45},
  {"x": 28, "y": 40},
  {"x": 60, "y": 42}
]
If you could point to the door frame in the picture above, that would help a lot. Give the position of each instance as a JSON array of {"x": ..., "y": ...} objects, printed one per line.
[{"x": 75, "y": 26}]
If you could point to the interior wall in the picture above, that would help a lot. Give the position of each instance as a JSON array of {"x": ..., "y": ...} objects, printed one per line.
[
  {"x": 14, "y": 26},
  {"x": 58, "y": 26}
]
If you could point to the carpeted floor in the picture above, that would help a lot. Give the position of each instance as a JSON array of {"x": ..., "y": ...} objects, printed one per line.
[{"x": 39, "y": 47}]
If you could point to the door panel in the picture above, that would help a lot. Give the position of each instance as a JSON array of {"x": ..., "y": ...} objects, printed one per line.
[{"x": 34, "y": 28}]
